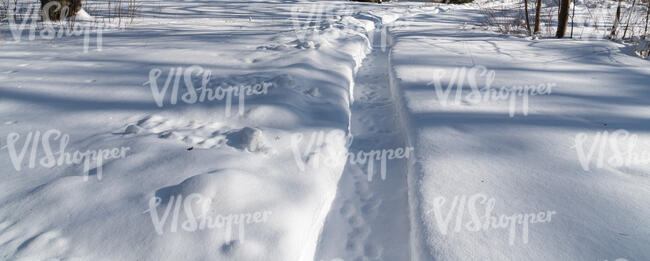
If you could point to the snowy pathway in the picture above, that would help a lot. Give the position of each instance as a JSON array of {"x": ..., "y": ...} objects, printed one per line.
[
  {"x": 273, "y": 191},
  {"x": 369, "y": 218}
]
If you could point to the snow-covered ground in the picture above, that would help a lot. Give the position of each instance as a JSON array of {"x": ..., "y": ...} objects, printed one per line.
[
  {"x": 299, "y": 130},
  {"x": 475, "y": 150}
]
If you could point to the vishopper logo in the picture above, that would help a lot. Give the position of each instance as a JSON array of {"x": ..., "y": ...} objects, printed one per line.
[
  {"x": 48, "y": 30},
  {"x": 199, "y": 215},
  {"x": 206, "y": 92},
  {"x": 480, "y": 207},
  {"x": 310, "y": 22},
  {"x": 316, "y": 17},
  {"x": 319, "y": 149},
  {"x": 616, "y": 149},
  {"x": 50, "y": 158},
  {"x": 480, "y": 81}
]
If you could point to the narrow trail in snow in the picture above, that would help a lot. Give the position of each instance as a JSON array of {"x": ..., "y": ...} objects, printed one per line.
[{"x": 369, "y": 219}]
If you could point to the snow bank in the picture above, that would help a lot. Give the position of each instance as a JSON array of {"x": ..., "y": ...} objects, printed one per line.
[{"x": 210, "y": 175}]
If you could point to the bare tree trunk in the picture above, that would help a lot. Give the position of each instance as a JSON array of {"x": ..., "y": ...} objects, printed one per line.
[
  {"x": 563, "y": 19},
  {"x": 628, "y": 19},
  {"x": 573, "y": 17},
  {"x": 538, "y": 10},
  {"x": 527, "y": 17},
  {"x": 645, "y": 34},
  {"x": 612, "y": 35}
]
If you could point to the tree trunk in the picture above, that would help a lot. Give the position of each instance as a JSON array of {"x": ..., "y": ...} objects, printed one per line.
[
  {"x": 563, "y": 20},
  {"x": 612, "y": 35},
  {"x": 645, "y": 34},
  {"x": 527, "y": 17},
  {"x": 537, "y": 14},
  {"x": 573, "y": 15},
  {"x": 59, "y": 9},
  {"x": 628, "y": 19}
]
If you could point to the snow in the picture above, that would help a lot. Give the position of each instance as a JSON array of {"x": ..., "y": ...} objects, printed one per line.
[
  {"x": 527, "y": 164},
  {"x": 299, "y": 130},
  {"x": 102, "y": 100},
  {"x": 82, "y": 15}
]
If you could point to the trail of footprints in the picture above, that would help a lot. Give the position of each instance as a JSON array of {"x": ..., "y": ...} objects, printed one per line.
[
  {"x": 371, "y": 127},
  {"x": 355, "y": 211}
]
